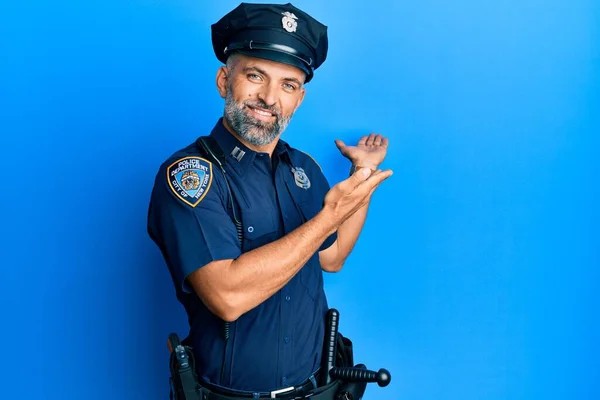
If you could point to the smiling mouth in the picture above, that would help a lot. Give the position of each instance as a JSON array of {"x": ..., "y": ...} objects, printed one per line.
[{"x": 261, "y": 114}]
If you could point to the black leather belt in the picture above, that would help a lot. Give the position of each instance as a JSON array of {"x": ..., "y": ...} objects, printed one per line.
[{"x": 292, "y": 392}]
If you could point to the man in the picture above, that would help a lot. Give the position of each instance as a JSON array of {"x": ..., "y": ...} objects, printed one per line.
[{"x": 257, "y": 308}]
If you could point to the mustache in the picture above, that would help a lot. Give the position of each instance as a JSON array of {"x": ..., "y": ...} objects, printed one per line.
[{"x": 261, "y": 104}]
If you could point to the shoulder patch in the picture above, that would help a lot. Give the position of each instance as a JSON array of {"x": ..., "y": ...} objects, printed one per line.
[{"x": 190, "y": 178}]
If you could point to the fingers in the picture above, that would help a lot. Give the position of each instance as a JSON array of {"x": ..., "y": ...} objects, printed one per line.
[
  {"x": 375, "y": 139},
  {"x": 353, "y": 181},
  {"x": 364, "y": 180},
  {"x": 374, "y": 180},
  {"x": 364, "y": 177},
  {"x": 339, "y": 144},
  {"x": 371, "y": 139},
  {"x": 359, "y": 176}
]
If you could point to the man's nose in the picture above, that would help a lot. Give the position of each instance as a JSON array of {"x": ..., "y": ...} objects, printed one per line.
[{"x": 268, "y": 94}]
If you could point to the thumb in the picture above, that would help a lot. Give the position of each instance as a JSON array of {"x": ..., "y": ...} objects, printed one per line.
[
  {"x": 360, "y": 175},
  {"x": 340, "y": 145},
  {"x": 364, "y": 173}
]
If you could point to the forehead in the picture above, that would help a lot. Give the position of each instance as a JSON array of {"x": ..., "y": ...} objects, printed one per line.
[{"x": 272, "y": 68}]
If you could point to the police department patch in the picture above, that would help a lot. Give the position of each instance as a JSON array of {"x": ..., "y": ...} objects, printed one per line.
[{"x": 190, "y": 178}]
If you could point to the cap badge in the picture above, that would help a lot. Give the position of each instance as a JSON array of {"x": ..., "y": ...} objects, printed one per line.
[{"x": 289, "y": 21}]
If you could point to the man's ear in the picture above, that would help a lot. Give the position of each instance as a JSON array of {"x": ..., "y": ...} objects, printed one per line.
[{"x": 222, "y": 77}]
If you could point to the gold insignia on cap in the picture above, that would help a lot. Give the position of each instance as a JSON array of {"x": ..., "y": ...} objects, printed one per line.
[{"x": 289, "y": 21}]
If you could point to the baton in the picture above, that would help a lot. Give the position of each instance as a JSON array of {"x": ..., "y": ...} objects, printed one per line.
[
  {"x": 333, "y": 320},
  {"x": 382, "y": 377}
]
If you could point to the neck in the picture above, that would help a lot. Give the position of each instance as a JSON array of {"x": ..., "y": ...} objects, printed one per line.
[{"x": 268, "y": 148}]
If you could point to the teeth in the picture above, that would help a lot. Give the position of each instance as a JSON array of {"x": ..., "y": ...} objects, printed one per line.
[{"x": 261, "y": 112}]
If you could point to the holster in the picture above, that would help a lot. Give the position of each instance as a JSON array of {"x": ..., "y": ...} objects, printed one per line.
[
  {"x": 345, "y": 352},
  {"x": 345, "y": 358}
]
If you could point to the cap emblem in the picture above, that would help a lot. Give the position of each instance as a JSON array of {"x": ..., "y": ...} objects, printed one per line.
[{"x": 289, "y": 21}]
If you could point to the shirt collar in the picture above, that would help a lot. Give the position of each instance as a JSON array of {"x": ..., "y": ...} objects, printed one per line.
[{"x": 238, "y": 154}]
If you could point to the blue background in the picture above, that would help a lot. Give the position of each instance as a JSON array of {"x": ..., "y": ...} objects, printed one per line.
[{"x": 476, "y": 276}]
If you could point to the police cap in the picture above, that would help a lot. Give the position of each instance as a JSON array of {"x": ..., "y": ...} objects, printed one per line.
[{"x": 277, "y": 32}]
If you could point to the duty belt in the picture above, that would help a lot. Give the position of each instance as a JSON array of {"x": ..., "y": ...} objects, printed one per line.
[{"x": 291, "y": 392}]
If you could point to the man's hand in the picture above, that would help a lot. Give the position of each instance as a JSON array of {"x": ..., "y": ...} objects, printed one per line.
[
  {"x": 369, "y": 152},
  {"x": 345, "y": 198},
  {"x": 232, "y": 287}
]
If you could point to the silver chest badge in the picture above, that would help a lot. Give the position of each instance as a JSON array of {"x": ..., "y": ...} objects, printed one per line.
[
  {"x": 289, "y": 21},
  {"x": 301, "y": 178}
]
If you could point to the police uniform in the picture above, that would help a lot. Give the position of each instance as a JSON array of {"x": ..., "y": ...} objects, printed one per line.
[{"x": 192, "y": 216}]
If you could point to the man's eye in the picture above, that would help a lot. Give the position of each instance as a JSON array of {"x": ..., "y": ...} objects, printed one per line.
[
  {"x": 289, "y": 86},
  {"x": 254, "y": 77}
]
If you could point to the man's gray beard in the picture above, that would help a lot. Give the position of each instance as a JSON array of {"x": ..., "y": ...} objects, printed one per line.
[{"x": 250, "y": 129}]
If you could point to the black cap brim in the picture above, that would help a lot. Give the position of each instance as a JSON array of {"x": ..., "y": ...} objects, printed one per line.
[
  {"x": 275, "y": 46},
  {"x": 278, "y": 57}
]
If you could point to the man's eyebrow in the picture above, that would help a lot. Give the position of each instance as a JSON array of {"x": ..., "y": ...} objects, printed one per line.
[
  {"x": 296, "y": 81},
  {"x": 260, "y": 71},
  {"x": 256, "y": 69}
]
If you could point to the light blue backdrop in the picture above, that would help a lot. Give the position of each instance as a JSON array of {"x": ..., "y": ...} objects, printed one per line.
[{"x": 476, "y": 276}]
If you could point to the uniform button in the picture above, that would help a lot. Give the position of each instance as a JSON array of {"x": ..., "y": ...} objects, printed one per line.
[
  {"x": 287, "y": 298},
  {"x": 250, "y": 229},
  {"x": 284, "y": 379},
  {"x": 287, "y": 339}
]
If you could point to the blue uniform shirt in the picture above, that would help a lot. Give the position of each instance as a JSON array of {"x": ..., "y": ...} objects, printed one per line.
[{"x": 278, "y": 343}]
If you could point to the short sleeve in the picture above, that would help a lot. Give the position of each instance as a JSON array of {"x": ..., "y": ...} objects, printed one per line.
[{"x": 188, "y": 218}]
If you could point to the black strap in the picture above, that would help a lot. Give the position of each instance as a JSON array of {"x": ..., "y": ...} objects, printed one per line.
[{"x": 212, "y": 150}]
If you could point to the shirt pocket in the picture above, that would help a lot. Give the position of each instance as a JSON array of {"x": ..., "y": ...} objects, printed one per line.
[{"x": 258, "y": 229}]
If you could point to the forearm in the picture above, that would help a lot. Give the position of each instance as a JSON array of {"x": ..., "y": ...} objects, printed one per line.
[
  {"x": 230, "y": 288},
  {"x": 349, "y": 232},
  {"x": 258, "y": 274},
  {"x": 333, "y": 258}
]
